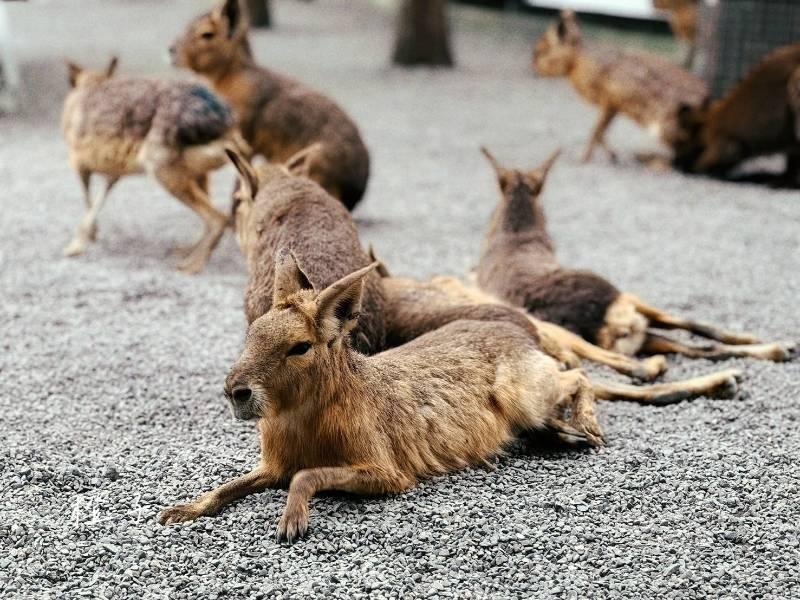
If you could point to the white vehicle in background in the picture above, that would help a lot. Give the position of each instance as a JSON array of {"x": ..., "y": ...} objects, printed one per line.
[{"x": 632, "y": 9}]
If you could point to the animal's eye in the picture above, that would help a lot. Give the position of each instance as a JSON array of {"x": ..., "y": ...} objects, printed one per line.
[
  {"x": 298, "y": 349},
  {"x": 207, "y": 35}
]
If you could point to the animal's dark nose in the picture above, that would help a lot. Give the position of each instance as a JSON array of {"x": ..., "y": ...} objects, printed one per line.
[
  {"x": 241, "y": 394},
  {"x": 173, "y": 50}
]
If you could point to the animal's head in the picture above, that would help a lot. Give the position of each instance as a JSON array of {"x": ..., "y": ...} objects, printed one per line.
[
  {"x": 519, "y": 207},
  {"x": 213, "y": 40},
  {"x": 554, "y": 53},
  {"x": 253, "y": 179},
  {"x": 297, "y": 345},
  {"x": 685, "y": 134},
  {"x": 80, "y": 77}
]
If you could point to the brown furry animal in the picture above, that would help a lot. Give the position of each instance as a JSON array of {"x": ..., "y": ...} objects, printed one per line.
[
  {"x": 416, "y": 307},
  {"x": 278, "y": 207},
  {"x": 333, "y": 419},
  {"x": 518, "y": 264},
  {"x": 277, "y": 115},
  {"x": 173, "y": 131},
  {"x": 759, "y": 116},
  {"x": 643, "y": 86}
]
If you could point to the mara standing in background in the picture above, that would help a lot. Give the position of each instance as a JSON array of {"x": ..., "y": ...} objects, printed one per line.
[
  {"x": 278, "y": 116},
  {"x": 175, "y": 132},
  {"x": 645, "y": 87},
  {"x": 760, "y": 115}
]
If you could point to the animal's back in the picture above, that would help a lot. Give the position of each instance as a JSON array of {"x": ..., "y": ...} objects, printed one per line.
[
  {"x": 757, "y": 108},
  {"x": 283, "y": 116},
  {"x": 645, "y": 86},
  {"x": 295, "y": 213},
  {"x": 107, "y": 125},
  {"x": 461, "y": 392}
]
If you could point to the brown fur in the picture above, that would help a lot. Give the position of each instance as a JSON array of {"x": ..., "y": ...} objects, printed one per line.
[
  {"x": 518, "y": 264},
  {"x": 760, "y": 115},
  {"x": 277, "y": 209},
  {"x": 642, "y": 86},
  {"x": 174, "y": 131},
  {"x": 333, "y": 419},
  {"x": 277, "y": 115}
]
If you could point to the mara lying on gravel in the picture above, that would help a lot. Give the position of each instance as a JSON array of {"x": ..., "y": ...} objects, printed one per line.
[
  {"x": 277, "y": 206},
  {"x": 645, "y": 87},
  {"x": 331, "y": 418},
  {"x": 278, "y": 116},
  {"x": 416, "y": 307},
  {"x": 759, "y": 116},
  {"x": 518, "y": 264},
  {"x": 174, "y": 131}
]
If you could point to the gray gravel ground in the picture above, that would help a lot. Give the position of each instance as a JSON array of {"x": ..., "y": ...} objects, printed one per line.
[{"x": 112, "y": 364}]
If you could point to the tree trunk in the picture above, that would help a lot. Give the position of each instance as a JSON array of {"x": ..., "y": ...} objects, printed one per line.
[
  {"x": 423, "y": 34},
  {"x": 259, "y": 13}
]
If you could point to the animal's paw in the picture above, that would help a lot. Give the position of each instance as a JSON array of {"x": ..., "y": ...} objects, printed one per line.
[
  {"x": 180, "y": 513},
  {"x": 194, "y": 263},
  {"x": 294, "y": 521},
  {"x": 76, "y": 247},
  {"x": 651, "y": 368},
  {"x": 728, "y": 387}
]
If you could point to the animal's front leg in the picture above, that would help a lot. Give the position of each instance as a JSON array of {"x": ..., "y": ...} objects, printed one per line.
[
  {"x": 211, "y": 502},
  {"x": 365, "y": 479}
]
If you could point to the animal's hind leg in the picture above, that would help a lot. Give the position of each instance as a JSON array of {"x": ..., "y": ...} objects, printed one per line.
[
  {"x": 576, "y": 398},
  {"x": 88, "y": 225},
  {"x": 776, "y": 352},
  {"x": 186, "y": 189},
  {"x": 661, "y": 318},
  {"x": 645, "y": 370},
  {"x": 86, "y": 178},
  {"x": 607, "y": 115},
  {"x": 722, "y": 384}
]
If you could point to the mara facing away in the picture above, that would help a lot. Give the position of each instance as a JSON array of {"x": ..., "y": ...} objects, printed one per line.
[
  {"x": 277, "y": 115},
  {"x": 275, "y": 207},
  {"x": 518, "y": 265},
  {"x": 175, "y": 132},
  {"x": 645, "y": 87},
  {"x": 333, "y": 419}
]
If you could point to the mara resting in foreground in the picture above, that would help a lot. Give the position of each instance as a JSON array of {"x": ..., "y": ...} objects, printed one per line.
[
  {"x": 176, "y": 132},
  {"x": 277, "y": 115},
  {"x": 333, "y": 419},
  {"x": 759, "y": 116},
  {"x": 643, "y": 86},
  {"x": 518, "y": 264},
  {"x": 275, "y": 207}
]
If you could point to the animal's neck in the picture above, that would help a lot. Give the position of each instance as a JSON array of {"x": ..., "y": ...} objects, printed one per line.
[{"x": 240, "y": 62}]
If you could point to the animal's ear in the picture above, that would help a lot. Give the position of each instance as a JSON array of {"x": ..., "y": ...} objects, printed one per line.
[
  {"x": 567, "y": 27},
  {"x": 539, "y": 174},
  {"x": 381, "y": 268},
  {"x": 112, "y": 66},
  {"x": 248, "y": 179},
  {"x": 73, "y": 70},
  {"x": 289, "y": 277},
  {"x": 501, "y": 172},
  {"x": 339, "y": 304},
  {"x": 300, "y": 162},
  {"x": 233, "y": 14}
]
